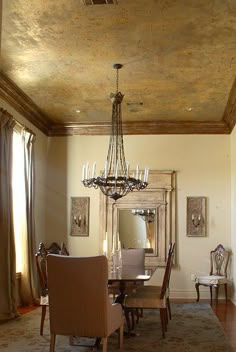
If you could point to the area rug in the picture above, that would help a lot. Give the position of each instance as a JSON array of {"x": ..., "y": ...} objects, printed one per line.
[{"x": 193, "y": 328}]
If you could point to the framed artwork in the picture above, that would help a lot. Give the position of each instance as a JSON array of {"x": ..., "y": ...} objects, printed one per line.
[
  {"x": 79, "y": 216},
  {"x": 196, "y": 216}
]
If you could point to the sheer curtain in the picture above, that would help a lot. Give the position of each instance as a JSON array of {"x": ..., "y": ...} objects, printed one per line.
[
  {"x": 7, "y": 248},
  {"x": 23, "y": 205}
]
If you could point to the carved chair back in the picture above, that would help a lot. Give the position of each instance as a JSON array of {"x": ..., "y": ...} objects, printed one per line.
[
  {"x": 41, "y": 263},
  {"x": 219, "y": 261}
]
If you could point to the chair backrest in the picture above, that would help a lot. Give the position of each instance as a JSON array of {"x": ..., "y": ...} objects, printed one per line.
[
  {"x": 133, "y": 256},
  {"x": 78, "y": 297},
  {"x": 219, "y": 261},
  {"x": 167, "y": 274},
  {"x": 63, "y": 250},
  {"x": 41, "y": 263},
  {"x": 54, "y": 248}
]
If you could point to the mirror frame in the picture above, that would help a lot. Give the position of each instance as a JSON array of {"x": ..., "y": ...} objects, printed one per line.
[{"x": 159, "y": 194}]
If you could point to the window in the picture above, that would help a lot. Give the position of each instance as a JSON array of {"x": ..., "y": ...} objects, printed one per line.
[{"x": 19, "y": 199}]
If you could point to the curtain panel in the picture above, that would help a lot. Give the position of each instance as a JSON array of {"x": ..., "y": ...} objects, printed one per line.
[
  {"x": 8, "y": 309},
  {"x": 8, "y": 287}
]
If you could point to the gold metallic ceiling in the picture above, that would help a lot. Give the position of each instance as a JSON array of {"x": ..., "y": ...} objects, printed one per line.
[{"x": 179, "y": 60}]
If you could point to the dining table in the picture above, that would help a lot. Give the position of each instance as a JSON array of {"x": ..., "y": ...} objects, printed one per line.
[{"x": 127, "y": 274}]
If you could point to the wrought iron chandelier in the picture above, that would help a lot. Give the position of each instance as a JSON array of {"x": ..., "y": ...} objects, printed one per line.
[
  {"x": 115, "y": 181},
  {"x": 147, "y": 215}
]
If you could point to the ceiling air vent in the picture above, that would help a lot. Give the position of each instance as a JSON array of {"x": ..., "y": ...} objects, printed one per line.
[{"x": 99, "y": 2}]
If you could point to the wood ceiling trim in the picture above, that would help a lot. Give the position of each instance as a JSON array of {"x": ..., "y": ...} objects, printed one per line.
[
  {"x": 229, "y": 116},
  {"x": 23, "y": 104},
  {"x": 142, "y": 128}
]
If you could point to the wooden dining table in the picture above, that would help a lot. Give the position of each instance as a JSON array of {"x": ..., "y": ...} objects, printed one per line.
[{"x": 129, "y": 274}]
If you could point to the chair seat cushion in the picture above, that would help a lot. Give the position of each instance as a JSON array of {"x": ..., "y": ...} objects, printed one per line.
[
  {"x": 44, "y": 300},
  {"x": 211, "y": 280},
  {"x": 144, "y": 299}
]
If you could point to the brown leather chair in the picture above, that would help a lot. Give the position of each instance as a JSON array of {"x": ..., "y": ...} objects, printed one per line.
[
  {"x": 41, "y": 264},
  {"x": 80, "y": 304},
  {"x": 145, "y": 298},
  {"x": 219, "y": 260}
]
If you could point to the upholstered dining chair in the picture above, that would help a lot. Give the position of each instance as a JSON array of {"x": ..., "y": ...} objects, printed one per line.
[
  {"x": 133, "y": 256},
  {"x": 130, "y": 257},
  {"x": 219, "y": 260},
  {"x": 150, "y": 299},
  {"x": 79, "y": 304},
  {"x": 41, "y": 264}
]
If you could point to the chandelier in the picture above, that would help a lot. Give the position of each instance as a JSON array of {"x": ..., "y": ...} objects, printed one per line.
[
  {"x": 147, "y": 215},
  {"x": 115, "y": 181}
]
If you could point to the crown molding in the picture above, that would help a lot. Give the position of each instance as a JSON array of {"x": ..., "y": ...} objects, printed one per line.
[
  {"x": 141, "y": 128},
  {"x": 229, "y": 115},
  {"x": 23, "y": 104},
  {"x": 27, "y": 108}
]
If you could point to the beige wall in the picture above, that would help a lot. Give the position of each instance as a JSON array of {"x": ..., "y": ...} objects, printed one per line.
[
  {"x": 40, "y": 172},
  {"x": 203, "y": 169}
]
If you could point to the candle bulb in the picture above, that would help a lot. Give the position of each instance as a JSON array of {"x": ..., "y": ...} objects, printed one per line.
[
  {"x": 87, "y": 170},
  {"x": 105, "y": 170},
  {"x": 147, "y": 175},
  {"x": 83, "y": 173},
  {"x": 137, "y": 171},
  {"x": 127, "y": 169},
  {"x": 94, "y": 170},
  {"x": 116, "y": 170}
]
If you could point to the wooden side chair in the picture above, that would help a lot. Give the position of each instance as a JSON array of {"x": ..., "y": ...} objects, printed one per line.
[
  {"x": 145, "y": 298},
  {"x": 157, "y": 289},
  {"x": 41, "y": 264},
  {"x": 54, "y": 248},
  {"x": 80, "y": 305},
  {"x": 219, "y": 260}
]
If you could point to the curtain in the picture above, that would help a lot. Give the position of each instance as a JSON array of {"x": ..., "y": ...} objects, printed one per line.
[
  {"x": 8, "y": 309},
  {"x": 28, "y": 273}
]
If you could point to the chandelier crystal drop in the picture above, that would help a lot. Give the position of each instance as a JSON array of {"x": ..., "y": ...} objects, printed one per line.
[{"x": 115, "y": 181}]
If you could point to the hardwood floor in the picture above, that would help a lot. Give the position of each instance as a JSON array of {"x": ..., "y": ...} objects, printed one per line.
[{"x": 226, "y": 313}]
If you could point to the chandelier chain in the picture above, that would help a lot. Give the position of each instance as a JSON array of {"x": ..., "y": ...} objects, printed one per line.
[{"x": 117, "y": 80}]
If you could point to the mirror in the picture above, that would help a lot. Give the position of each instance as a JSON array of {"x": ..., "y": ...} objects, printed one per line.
[
  {"x": 122, "y": 220},
  {"x": 137, "y": 228}
]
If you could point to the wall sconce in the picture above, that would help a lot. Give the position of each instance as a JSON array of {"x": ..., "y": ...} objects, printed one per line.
[
  {"x": 77, "y": 220},
  {"x": 196, "y": 219},
  {"x": 196, "y": 216},
  {"x": 79, "y": 216}
]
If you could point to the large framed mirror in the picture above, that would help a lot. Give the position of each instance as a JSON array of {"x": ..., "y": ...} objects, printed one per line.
[
  {"x": 142, "y": 219},
  {"x": 137, "y": 228}
]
